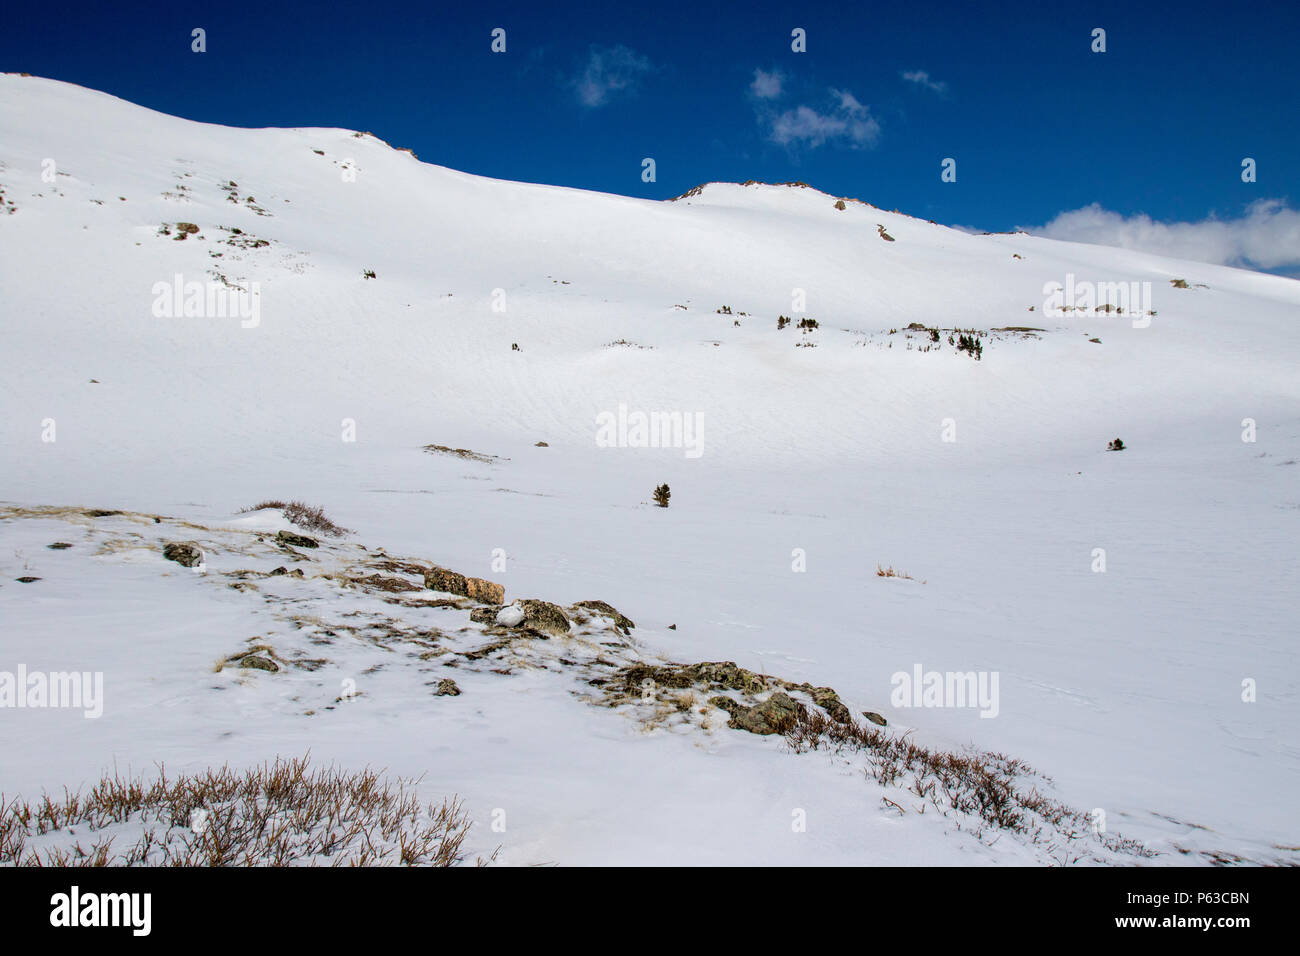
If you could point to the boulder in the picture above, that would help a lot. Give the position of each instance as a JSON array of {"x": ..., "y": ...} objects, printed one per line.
[
  {"x": 289, "y": 539},
  {"x": 776, "y": 715},
  {"x": 185, "y": 553},
  {"x": 543, "y": 617},
  {"x": 623, "y": 623},
  {"x": 827, "y": 700},
  {"x": 484, "y": 615},
  {"x": 447, "y": 688},
  {"x": 483, "y": 591},
  {"x": 453, "y": 582}
]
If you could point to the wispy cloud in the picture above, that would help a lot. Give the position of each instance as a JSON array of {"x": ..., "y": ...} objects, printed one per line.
[
  {"x": 922, "y": 78},
  {"x": 609, "y": 71},
  {"x": 845, "y": 121},
  {"x": 1267, "y": 236},
  {"x": 767, "y": 86}
]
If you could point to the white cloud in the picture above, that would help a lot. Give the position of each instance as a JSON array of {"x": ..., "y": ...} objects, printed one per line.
[
  {"x": 848, "y": 102},
  {"x": 846, "y": 121},
  {"x": 922, "y": 78},
  {"x": 609, "y": 70},
  {"x": 1266, "y": 237},
  {"x": 767, "y": 86}
]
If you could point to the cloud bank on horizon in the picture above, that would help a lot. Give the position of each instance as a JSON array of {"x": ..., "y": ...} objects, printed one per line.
[{"x": 1266, "y": 236}]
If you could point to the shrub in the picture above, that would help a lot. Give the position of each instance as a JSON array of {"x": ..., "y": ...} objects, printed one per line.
[
  {"x": 310, "y": 517},
  {"x": 273, "y": 815},
  {"x": 782, "y": 321},
  {"x": 806, "y": 323},
  {"x": 989, "y": 790},
  {"x": 662, "y": 494},
  {"x": 1116, "y": 445},
  {"x": 367, "y": 273},
  {"x": 889, "y": 572}
]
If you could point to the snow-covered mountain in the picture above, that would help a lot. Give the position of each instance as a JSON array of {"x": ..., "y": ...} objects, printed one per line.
[{"x": 190, "y": 326}]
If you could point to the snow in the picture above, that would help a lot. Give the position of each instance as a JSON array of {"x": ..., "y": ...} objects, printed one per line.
[{"x": 1125, "y": 687}]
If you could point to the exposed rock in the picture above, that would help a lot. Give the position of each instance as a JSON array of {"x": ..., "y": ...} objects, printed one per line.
[
  {"x": 186, "y": 227},
  {"x": 723, "y": 674},
  {"x": 185, "y": 553},
  {"x": 775, "y": 715},
  {"x": 379, "y": 582},
  {"x": 726, "y": 674},
  {"x": 1178, "y": 283},
  {"x": 874, "y": 717},
  {"x": 623, "y": 623},
  {"x": 484, "y": 615},
  {"x": 289, "y": 539},
  {"x": 258, "y": 662},
  {"x": 544, "y": 617},
  {"x": 827, "y": 700},
  {"x": 26, "y": 579},
  {"x": 453, "y": 582},
  {"x": 487, "y": 592},
  {"x": 440, "y": 579},
  {"x": 447, "y": 688},
  {"x": 58, "y": 545},
  {"x": 464, "y": 453}
]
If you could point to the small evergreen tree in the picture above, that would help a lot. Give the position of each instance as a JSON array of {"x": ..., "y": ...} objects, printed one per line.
[
  {"x": 662, "y": 494},
  {"x": 1116, "y": 445}
]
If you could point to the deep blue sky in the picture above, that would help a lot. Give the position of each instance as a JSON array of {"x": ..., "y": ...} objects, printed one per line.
[{"x": 1037, "y": 122}]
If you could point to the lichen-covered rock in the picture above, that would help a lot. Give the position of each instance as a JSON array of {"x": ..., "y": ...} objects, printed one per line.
[
  {"x": 874, "y": 717},
  {"x": 726, "y": 674},
  {"x": 185, "y": 553},
  {"x": 544, "y": 617},
  {"x": 292, "y": 540},
  {"x": 447, "y": 688},
  {"x": 775, "y": 715},
  {"x": 258, "y": 662},
  {"x": 440, "y": 579},
  {"x": 621, "y": 622},
  {"x": 484, "y": 615},
  {"x": 486, "y": 592},
  {"x": 827, "y": 700},
  {"x": 453, "y": 582}
]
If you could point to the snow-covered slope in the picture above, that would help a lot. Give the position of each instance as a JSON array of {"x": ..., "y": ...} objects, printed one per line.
[{"x": 1124, "y": 686}]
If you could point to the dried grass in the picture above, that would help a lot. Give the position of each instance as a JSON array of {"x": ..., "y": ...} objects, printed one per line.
[{"x": 277, "y": 814}]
